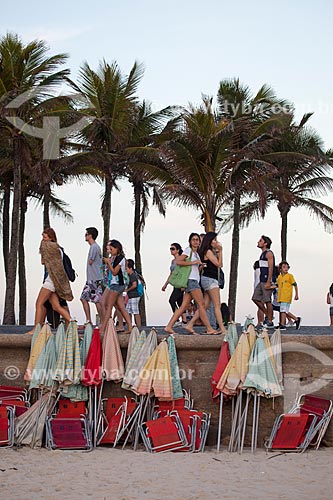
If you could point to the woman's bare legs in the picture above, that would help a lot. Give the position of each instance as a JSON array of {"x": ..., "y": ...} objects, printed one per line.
[
  {"x": 63, "y": 311},
  {"x": 40, "y": 310},
  {"x": 178, "y": 312},
  {"x": 111, "y": 299},
  {"x": 198, "y": 297},
  {"x": 214, "y": 295},
  {"x": 123, "y": 313},
  {"x": 192, "y": 322}
]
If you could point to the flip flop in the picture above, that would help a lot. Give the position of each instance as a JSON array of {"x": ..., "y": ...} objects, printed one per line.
[{"x": 214, "y": 332}]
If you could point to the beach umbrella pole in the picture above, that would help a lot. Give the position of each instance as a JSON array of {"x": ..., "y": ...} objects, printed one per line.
[
  {"x": 219, "y": 430},
  {"x": 255, "y": 422},
  {"x": 245, "y": 420},
  {"x": 143, "y": 409}
]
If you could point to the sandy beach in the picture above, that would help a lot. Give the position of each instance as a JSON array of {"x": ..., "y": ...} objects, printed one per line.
[{"x": 114, "y": 474}]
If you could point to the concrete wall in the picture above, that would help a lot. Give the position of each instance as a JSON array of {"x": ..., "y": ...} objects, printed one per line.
[{"x": 307, "y": 365}]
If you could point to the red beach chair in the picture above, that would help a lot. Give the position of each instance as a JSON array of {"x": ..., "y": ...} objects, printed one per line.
[
  {"x": 163, "y": 434},
  {"x": 69, "y": 429},
  {"x": 118, "y": 413},
  {"x": 6, "y": 426},
  {"x": 304, "y": 425}
]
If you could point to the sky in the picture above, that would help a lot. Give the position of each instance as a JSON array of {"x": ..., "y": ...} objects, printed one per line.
[{"x": 187, "y": 48}]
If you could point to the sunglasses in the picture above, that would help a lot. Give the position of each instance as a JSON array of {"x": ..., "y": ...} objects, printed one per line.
[{"x": 173, "y": 248}]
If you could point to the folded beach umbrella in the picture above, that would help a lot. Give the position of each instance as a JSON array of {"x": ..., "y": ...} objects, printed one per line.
[
  {"x": 177, "y": 391},
  {"x": 135, "y": 344},
  {"x": 236, "y": 370},
  {"x": 38, "y": 342},
  {"x": 92, "y": 377},
  {"x": 148, "y": 347},
  {"x": 112, "y": 360},
  {"x": 252, "y": 335},
  {"x": 261, "y": 376},
  {"x": 86, "y": 341},
  {"x": 231, "y": 337},
  {"x": 59, "y": 338},
  {"x": 43, "y": 371},
  {"x": 156, "y": 375},
  {"x": 135, "y": 333},
  {"x": 68, "y": 367},
  {"x": 29, "y": 427},
  {"x": 91, "y": 372},
  {"x": 261, "y": 380},
  {"x": 276, "y": 346},
  {"x": 249, "y": 320},
  {"x": 79, "y": 392},
  {"x": 221, "y": 365}
]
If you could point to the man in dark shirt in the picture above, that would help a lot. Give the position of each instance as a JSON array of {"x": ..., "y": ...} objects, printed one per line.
[
  {"x": 132, "y": 305},
  {"x": 263, "y": 291}
]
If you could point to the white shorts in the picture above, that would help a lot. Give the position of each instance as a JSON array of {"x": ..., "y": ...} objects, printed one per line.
[
  {"x": 284, "y": 307},
  {"x": 132, "y": 306},
  {"x": 48, "y": 284}
]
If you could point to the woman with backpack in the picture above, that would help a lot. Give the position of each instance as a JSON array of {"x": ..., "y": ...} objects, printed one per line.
[
  {"x": 116, "y": 285},
  {"x": 56, "y": 283}
]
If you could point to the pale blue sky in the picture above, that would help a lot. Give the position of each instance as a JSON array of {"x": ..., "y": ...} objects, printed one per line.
[{"x": 187, "y": 47}]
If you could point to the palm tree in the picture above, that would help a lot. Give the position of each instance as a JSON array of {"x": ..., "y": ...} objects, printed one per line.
[
  {"x": 113, "y": 100},
  {"x": 194, "y": 162},
  {"x": 22, "y": 68},
  {"x": 303, "y": 176},
  {"x": 145, "y": 135},
  {"x": 247, "y": 114}
]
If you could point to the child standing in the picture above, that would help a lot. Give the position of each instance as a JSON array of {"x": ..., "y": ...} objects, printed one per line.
[
  {"x": 285, "y": 283},
  {"x": 329, "y": 300}
]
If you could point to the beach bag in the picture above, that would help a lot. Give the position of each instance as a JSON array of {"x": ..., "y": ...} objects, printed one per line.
[
  {"x": 71, "y": 274},
  {"x": 220, "y": 278},
  {"x": 180, "y": 274},
  {"x": 140, "y": 288}
]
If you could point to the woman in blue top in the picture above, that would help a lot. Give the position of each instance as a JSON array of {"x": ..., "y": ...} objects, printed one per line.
[
  {"x": 193, "y": 290},
  {"x": 116, "y": 285}
]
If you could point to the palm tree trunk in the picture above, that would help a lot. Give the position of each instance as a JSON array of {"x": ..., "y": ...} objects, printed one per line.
[
  {"x": 46, "y": 208},
  {"x": 284, "y": 227},
  {"x": 106, "y": 212},
  {"x": 5, "y": 226},
  {"x": 21, "y": 266},
  {"x": 9, "y": 311},
  {"x": 234, "y": 258},
  {"x": 137, "y": 247}
]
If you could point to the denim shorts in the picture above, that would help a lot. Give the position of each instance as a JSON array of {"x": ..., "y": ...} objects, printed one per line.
[
  {"x": 284, "y": 307},
  {"x": 208, "y": 283},
  {"x": 116, "y": 288},
  {"x": 192, "y": 285}
]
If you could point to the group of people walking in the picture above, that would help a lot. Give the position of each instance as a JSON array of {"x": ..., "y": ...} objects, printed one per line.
[
  {"x": 204, "y": 256},
  {"x": 111, "y": 280},
  {"x": 107, "y": 280}
]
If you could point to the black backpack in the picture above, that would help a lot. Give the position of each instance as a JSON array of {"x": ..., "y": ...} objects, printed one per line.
[{"x": 68, "y": 267}]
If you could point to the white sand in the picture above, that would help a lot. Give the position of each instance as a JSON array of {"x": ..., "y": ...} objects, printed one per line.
[{"x": 113, "y": 474}]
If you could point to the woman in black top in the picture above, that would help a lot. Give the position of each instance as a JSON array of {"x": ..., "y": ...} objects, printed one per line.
[{"x": 210, "y": 253}]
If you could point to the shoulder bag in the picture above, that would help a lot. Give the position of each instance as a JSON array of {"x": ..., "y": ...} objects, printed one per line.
[{"x": 180, "y": 274}]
